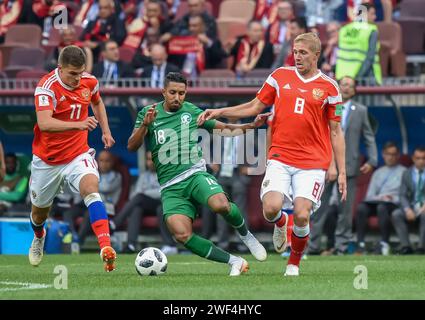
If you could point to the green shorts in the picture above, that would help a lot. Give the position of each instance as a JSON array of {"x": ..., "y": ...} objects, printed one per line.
[{"x": 185, "y": 196}]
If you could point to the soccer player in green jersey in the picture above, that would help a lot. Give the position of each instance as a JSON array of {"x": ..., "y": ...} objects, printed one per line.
[{"x": 172, "y": 130}]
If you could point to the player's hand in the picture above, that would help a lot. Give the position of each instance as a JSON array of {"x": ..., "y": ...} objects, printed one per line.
[
  {"x": 366, "y": 168},
  {"x": 261, "y": 119},
  {"x": 150, "y": 116},
  {"x": 208, "y": 115},
  {"x": 331, "y": 174},
  {"x": 89, "y": 124},
  {"x": 342, "y": 186},
  {"x": 410, "y": 214},
  {"x": 108, "y": 140}
]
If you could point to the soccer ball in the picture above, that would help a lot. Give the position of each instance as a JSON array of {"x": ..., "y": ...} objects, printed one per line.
[{"x": 151, "y": 262}]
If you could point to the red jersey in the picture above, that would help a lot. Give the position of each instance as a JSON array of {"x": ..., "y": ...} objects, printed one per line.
[
  {"x": 302, "y": 110},
  {"x": 68, "y": 104}
]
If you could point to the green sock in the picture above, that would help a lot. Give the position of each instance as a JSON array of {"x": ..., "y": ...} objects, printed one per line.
[
  {"x": 206, "y": 249},
  {"x": 235, "y": 219}
]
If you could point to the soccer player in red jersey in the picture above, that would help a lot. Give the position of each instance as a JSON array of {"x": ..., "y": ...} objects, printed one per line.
[
  {"x": 60, "y": 150},
  {"x": 305, "y": 129}
]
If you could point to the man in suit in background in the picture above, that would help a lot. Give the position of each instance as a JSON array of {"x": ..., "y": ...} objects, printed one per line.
[
  {"x": 159, "y": 68},
  {"x": 412, "y": 203},
  {"x": 111, "y": 68},
  {"x": 355, "y": 123}
]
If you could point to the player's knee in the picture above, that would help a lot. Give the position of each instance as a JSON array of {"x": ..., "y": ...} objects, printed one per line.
[
  {"x": 270, "y": 210},
  {"x": 301, "y": 219},
  {"x": 182, "y": 236},
  {"x": 220, "y": 205}
]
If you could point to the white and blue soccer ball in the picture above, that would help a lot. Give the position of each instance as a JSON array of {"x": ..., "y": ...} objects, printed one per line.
[{"x": 151, "y": 262}]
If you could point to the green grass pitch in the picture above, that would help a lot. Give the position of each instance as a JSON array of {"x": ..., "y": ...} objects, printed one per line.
[{"x": 190, "y": 277}]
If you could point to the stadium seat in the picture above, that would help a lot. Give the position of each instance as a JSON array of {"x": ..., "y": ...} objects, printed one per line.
[
  {"x": 19, "y": 60},
  {"x": 390, "y": 35},
  {"x": 237, "y": 9},
  {"x": 412, "y": 8},
  {"x": 126, "y": 54},
  {"x": 34, "y": 75},
  {"x": 218, "y": 73},
  {"x": 183, "y": 9},
  {"x": 415, "y": 29},
  {"x": 229, "y": 29},
  {"x": 406, "y": 160},
  {"x": 25, "y": 35},
  {"x": 258, "y": 73}
]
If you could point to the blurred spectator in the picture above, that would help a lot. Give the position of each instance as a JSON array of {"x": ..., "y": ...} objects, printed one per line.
[
  {"x": 358, "y": 49},
  {"x": 172, "y": 6},
  {"x": 2, "y": 163},
  {"x": 182, "y": 27},
  {"x": 89, "y": 10},
  {"x": 266, "y": 12},
  {"x": 44, "y": 12},
  {"x": 142, "y": 57},
  {"x": 355, "y": 124},
  {"x": 106, "y": 26},
  {"x": 252, "y": 51},
  {"x": 381, "y": 199},
  {"x": 159, "y": 68},
  {"x": 285, "y": 57},
  {"x": 278, "y": 32},
  {"x": 412, "y": 203},
  {"x": 321, "y": 11},
  {"x": 14, "y": 186},
  {"x": 68, "y": 37},
  {"x": 384, "y": 9},
  {"x": 10, "y": 12},
  {"x": 145, "y": 201},
  {"x": 111, "y": 68},
  {"x": 202, "y": 51},
  {"x": 110, "y": 187},
  {"x": 154, "y": 17},
  {"x": 330, "y": 51}
]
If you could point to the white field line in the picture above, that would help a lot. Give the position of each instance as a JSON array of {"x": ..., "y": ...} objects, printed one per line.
[{"x": 23, "y": 286}]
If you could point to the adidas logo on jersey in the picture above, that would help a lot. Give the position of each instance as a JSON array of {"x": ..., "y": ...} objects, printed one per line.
[{"x": 287, "y": 86}]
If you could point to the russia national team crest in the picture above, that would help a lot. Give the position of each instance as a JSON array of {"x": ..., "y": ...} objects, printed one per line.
[
  {"x": 86, "y": 94},
  {"x": 318, "y": 93},
  {"x": 186, "y": 118}
]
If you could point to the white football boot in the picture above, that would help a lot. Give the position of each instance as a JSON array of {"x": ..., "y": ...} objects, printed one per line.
[
  {"x": 36, "y": 250},
  {"x": 279, "y": 236},
  {"x": 254, "y": 246},
  {"x": 292, "y": 270},
  {"x": 238, "y": 267}
]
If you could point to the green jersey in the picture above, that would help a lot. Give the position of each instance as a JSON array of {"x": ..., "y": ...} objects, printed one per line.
[{"x": 173, "y": 140}]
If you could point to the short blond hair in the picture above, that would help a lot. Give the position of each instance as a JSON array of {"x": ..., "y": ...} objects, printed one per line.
[{"x": 311, "y": 39}]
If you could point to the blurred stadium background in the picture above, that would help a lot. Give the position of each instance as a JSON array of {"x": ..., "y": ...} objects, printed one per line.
[{"x": 30, "y": 43}]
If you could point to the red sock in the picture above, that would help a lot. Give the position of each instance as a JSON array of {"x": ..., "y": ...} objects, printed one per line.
[
  {"x": 289, "y": 229},
  {"x": 281, "y": 222},
  {"x": 39, "y": 234},
  {"x": 297, "y": 249},
  {"x": 101, "y": 230}
]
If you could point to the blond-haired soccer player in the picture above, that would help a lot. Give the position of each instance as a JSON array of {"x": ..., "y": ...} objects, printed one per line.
[
  {"x": 305, "y": 115},
  {"x": 60, "y": 150}
]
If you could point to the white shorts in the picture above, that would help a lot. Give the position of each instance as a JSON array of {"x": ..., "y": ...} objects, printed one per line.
[
  {"x": 293, "y": 182},
  {"x": 47, "y": 181}
]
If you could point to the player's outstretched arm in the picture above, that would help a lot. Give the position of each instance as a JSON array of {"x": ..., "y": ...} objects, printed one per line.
[
  {"x": 231, "y": 130},
  {"x": 338, "y": 146},
  {"x": 138, "y": 135},
  {"x": 99, "y": 111},
  {"x": 47, "y": 123},
  {"x": 244, "y": 110}
]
